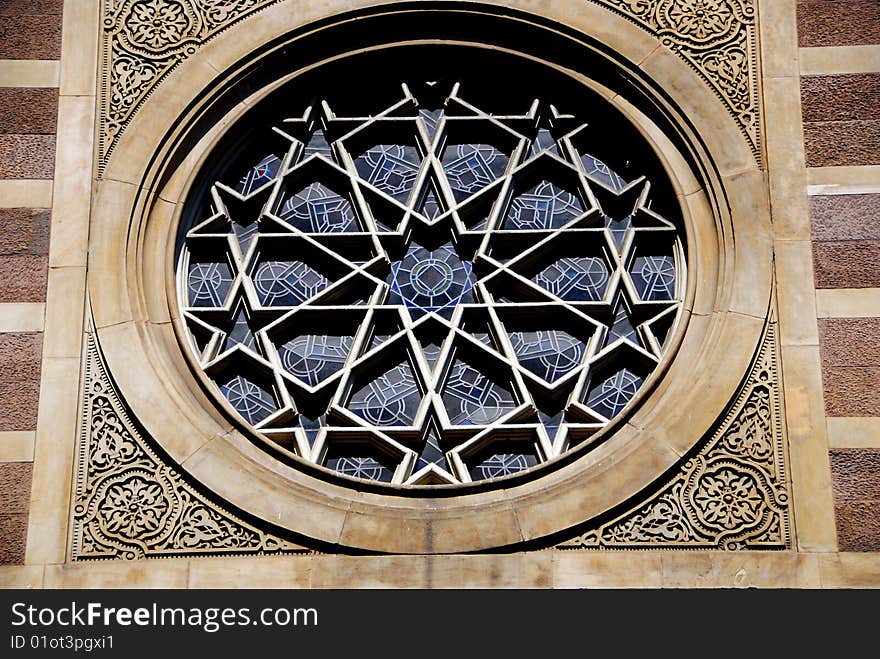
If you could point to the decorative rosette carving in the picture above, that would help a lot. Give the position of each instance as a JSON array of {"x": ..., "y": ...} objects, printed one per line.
[
  {"x": 144, "y": 40},
  {"x": 129, "y": 504},
  {"x": 732, "y": 495},
  {"x": 157, "y": 28}
]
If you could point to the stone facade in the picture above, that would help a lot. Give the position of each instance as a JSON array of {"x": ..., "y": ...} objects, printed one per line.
[{"x": 782, "y": 341}]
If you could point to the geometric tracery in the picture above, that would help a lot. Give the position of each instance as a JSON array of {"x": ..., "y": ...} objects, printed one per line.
[{"x": 490, "y": 288}]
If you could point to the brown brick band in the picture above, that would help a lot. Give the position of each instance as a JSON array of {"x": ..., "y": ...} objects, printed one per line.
[
  {"x": 24, "y": 251},
  {"x": 850, "y": 349},
  {"x": 30, "y": 29},
  {"x": 855, "y": 475},
  {"x": 838, "y": 22}
]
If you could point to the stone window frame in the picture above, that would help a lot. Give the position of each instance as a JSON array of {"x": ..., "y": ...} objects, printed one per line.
[{"x": 131, "y": 283}]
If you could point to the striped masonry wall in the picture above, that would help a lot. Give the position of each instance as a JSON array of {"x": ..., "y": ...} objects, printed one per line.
[
  {"x": 30, "y": 48},
  {"x": 839, "y": 55}
]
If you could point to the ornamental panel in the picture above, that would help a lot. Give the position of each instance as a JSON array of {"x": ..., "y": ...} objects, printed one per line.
[{"x": 143, "y": 41}]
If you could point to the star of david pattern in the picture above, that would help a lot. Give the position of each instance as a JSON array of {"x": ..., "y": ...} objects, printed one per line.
[{"x": 430, "y": 295}]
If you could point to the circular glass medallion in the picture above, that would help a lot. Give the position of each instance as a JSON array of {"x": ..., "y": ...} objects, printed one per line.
[{"x": 432, "y": 291}]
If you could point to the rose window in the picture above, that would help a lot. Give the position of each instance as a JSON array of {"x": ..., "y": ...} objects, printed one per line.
[{"x": 431, "y": 292}]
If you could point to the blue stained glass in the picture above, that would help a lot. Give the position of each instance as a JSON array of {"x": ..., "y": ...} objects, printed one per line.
[
  {"x": 549, "y": 354},
  {"x": 318, "y": 145},
  {"x": 250, "y": 400},
  {"x": 392, "y": 168},
  {"x": 241, "y": 333},
  {"x": 360, "y": 466},
  {"x": 575, "y": 278},
  {"x": 392, "y": 399},
  {"x": 502, "y": 464},
  {"x": 431, "y": 352},
  {"x": 431, "y": 118},
  {"x": 430, "y": 281},
  {"x": 244, "y": 232},
  {"x": 260, "y": 174},
  {"x": 621, "y": 327},
  {"x": 431, "y": 453},
  {"x": 551, "y": 423},
  {"x": 611, "y": 395},
  {"x": 430, "y": 208},
  {"x": 317, "y": 209},
  {"x": 654, "y": 277},
  {"x": 208, "y": 284},
  {"x": 544, "y": 206},
  {"x": 471, "y": 167},
  {"x": 472, "y": 398},
  {"x": 311, "y": 426},
  {"x": 287, "y": 283},
  {"x": 313, "y": 358},
  {"x": 543, "y": 142},
  {"x": 599, "y": 171}
]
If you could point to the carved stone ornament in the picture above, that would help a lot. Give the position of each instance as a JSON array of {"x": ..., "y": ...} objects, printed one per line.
[
  {"x": 142, "y": 41},
  {"x": 733, "y": 494},
  {"x": 128, "y": 503}
]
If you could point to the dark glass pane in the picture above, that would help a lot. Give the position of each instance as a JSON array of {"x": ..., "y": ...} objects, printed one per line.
[
  {"x": 241, "y": 333},
  {"x": 549, "y": 354},
  {"x": 471, "y": 167},
  {"x": 654, "y": 277},
  {"x": 287, "y": 283},
  {"x": 611, "y": 395},
  {"x": 392, "y": 399},
  {"x": 208, "y": 284},
  {"x": 472, "y": 398},
  {"x": 317, "y": 209},
  {"x": 544, "y": 206},
  {"x": 431, "y": 453},
  {"x": 250, "y": 400},
  {"x": 314, "y": 358},
  {"x": 575, "y": 278}
]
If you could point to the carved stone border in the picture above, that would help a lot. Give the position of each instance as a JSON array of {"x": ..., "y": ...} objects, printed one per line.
[
  {"x": 128, "y": 503},
  {"x": 733, "y": 494},
  {"x": 143, "y": 41}
]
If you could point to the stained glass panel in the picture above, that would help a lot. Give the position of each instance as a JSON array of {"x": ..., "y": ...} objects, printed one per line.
[{"x": 434, "y": 234}]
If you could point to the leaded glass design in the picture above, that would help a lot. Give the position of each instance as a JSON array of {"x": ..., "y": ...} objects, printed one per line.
[
  {"x": 502, "y": 464},
  {"x": 287, "y": 283},
  {"x": 431, "y": 281},
  {"x": 250, "y": 400},
  {"x": 392, "y": 168},
  {"x": 260, "y": 174},
  {"x": 575, "y": 278},
  {"x": 549, "y": 354},
  {"x": 471, "y": 167},
  {"x": 654, "y": 277},
  {"x": 317, "y": 209},
  {"x": 208, "y": 284},
  {"x": 313, "y": 358},
  {"x": 471, "y": 398},
  {"x": 612, "y": 394},
  {"x": 544, "y": 206},
  {"x": 390, "y": 400},
  {"x": 437, "y": 296}
]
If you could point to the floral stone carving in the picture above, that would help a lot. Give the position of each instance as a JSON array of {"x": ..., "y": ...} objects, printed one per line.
[
  {"x": 733, "y": 494},
  {"x": 129, "y": 504},
  {"x": 142, "y": 41}
]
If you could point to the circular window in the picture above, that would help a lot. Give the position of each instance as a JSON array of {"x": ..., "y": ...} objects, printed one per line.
[{"x": 411, "y": 267}]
